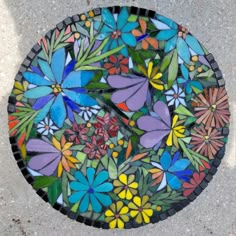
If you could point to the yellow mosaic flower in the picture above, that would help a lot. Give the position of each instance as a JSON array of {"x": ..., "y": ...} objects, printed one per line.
[
  {"x": 19, "y": 89},
  {"x": 117, "y": 215},
  {"x": 177, "y": 131},
  {"x": 141, "y": 209},
  {"x": 126, "y": 187},
  {"x": 67, "y": 160},
  {"x": 153, "y": 75}
]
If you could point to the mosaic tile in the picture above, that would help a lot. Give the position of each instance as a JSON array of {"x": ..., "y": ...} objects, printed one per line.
[{"x": 118, "y": 117}]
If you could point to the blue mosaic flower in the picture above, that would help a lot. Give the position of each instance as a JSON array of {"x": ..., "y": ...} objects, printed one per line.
[
  {"x": 57, "y": 89},
  {"x": 177, "y": 37},
  {"x": 188, "y": 84},
  {"x": 118, "y": 30},
  {"x": 173, "y": 170},
  {"x": 91, "y": 190}
]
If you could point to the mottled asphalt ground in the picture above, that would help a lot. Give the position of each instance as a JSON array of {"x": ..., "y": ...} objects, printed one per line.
[{"x": 22, "y": 23}]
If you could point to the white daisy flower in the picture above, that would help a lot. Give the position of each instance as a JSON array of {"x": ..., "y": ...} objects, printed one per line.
[
  {"x": 46, "y": 126},
  {"x": 175, "y": 96},
  {"x": 87, "y": 112}
]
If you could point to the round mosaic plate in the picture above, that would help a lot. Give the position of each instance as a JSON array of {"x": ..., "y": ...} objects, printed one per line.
[{"x": 118, "y": 117}]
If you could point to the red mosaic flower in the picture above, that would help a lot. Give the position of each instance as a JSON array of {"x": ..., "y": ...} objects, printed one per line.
[
  {"x": 117, "y": 64},
  {"x": 95, "y": 148},
  {"x": 212, "y": 108},
  {"x": 106, "y": 126},
  {"x": 206, "y": 142},
  {"x": 77, "y": 133},
  {"x": 194, "y": 182}
]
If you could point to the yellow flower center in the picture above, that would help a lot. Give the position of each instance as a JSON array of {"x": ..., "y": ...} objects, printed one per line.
[
  {"x": 120, "y": 142},
  {"x": 199, "y": 69},
  {"x": 111, "y": 146},
  {"x": 195, "y": 58},
  {"x": 212, "y": 108},
  {"x": 77, "y": 35},
  {"x": 191, "y": 68},
  {"x": 91, "y": 13},
  {"x": 131, "y": 123},
  {"x": 89, "y": 125},
  {"x": 87, "y": 23},
  {"x": 56, "y": 88},
  {"x": 82, "y": 17},
  {"x": 115, "y": 154}
]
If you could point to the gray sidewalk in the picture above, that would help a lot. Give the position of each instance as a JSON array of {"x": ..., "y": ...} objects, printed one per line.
[{"x": 24, "y": 22}]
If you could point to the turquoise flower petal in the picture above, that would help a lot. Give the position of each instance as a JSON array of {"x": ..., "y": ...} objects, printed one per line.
[
  {"x": 97, "y": 207},
  {"x": 194, "y": 85},
  {"x": 38, "y": 92},
  {"x": 100, "y": 178},
  {"x": 80, "y": 177},
  {"x": 129, "y": 26},
  {"x": 184, "y": 72},
  {"x": 181, "y": 80},
  {"x": 90, "y": 175},
  {"x": 173, "y": 181},
  {"x": 86, "y": 77},
  {"x": 77, "y": 186},
  {"x": 171, "y": 44},
  {"x": 124, "y": 52},
  {"x": 122, "y": 18},
  {"x": 165, "y": 160},
  {"x": 58, "y": 63},
  {"x": 179, "y": 165},
  {"x": 80, "y": 99},
  {"x": 108, "y": 18},
  {"x": 46, "y": 69},
  {"x": 44, "y": 111},
  {"x": 194, "y": 44},
  {"x": 103, "y": 198},
  {"x": 107, "y": 46},
  {"x": 77, "y": 79},
  {"x": 58, "y": 111},
  {"x": 183, "y": 50},
  {"x": 106, "y": 187},
  {"x": 114, "y": 43},
  {"x": 188, "y": 88},
  {"x": 73, "y": 80},
  {"x": 83, "y": 207},
  {"x": 168, "y": 22},
  {"x": 129, "y": 39},
  {"x": 106, "y": 30},
  {"x": 166, "y": 34},
  {"x": 36, "y": 79},
  {"x": 75, "y": 197}
]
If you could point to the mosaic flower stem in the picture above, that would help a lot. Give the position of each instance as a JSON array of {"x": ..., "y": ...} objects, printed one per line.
[
  {"x": 24, "y": 122},
  {"x": 86, "y": 60},
  {"x": 194, "y": 157}
]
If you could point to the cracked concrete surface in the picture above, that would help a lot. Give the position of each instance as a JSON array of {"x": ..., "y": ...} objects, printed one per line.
[{"x": 23, "y": 22}]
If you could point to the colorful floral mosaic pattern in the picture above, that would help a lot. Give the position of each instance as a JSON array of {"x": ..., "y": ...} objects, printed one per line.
[{"x": 118, "y": 117}]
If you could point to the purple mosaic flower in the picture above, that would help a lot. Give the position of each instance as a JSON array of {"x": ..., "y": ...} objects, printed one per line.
[
  {"x": 51, "y": 157},
  {"x": 133, "y": 90},
  {"x": 157, "y": 126}
]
